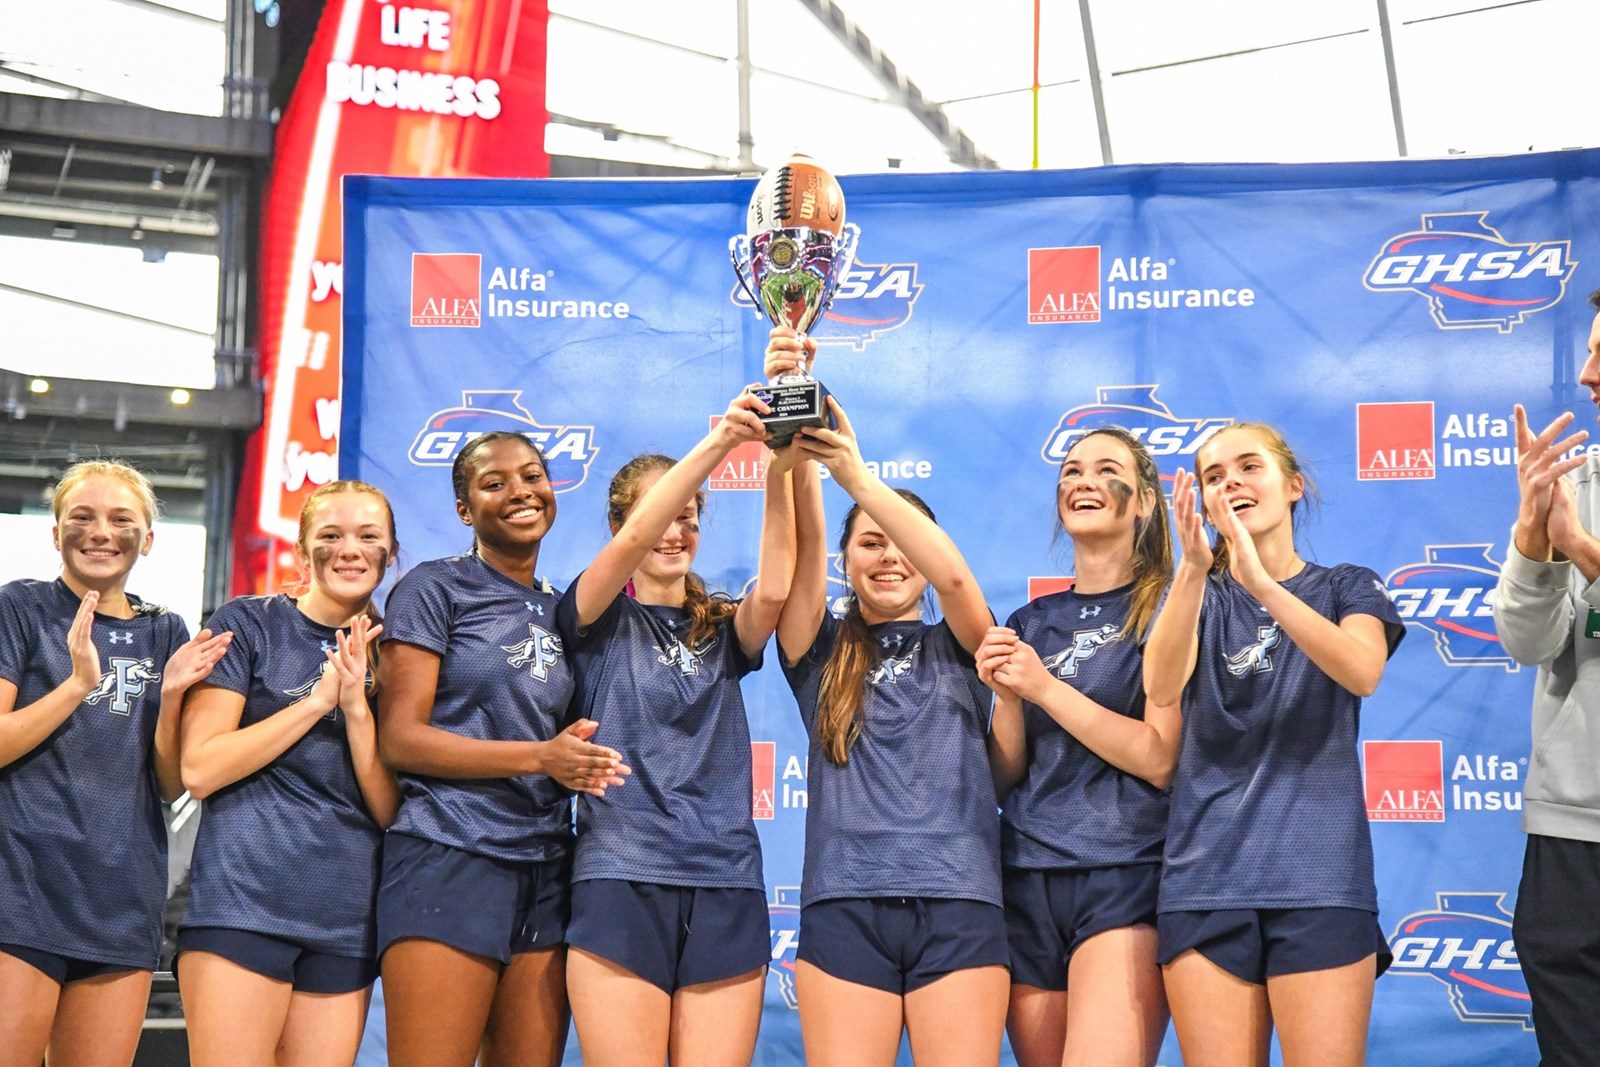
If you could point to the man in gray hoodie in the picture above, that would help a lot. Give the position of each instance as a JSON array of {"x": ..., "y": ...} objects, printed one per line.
[{"x": 1547, "y": 612}]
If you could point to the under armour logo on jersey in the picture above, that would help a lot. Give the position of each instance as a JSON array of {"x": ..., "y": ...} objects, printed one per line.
[
  {"x": 1253, "y": 658},
  {"x": 1088, "y": 611},
  {"x": 538, "y": 609},
  {"x": 125, "y": 680},
  {"x": 327, "y": 646},
  {"x": 121, "y": 637},
  {"x": 1064, "y": 664},
  {"x": 684, "y": 658},
  {"x": 538, "y": 652}
]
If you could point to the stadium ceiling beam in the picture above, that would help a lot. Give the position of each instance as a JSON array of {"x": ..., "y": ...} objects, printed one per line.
[
  {"x": 960, "y": 148},
  {"x": 128, "y": 124}
]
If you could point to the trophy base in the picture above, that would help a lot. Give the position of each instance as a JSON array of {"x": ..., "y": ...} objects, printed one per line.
[{"x": 795, "y": 403}]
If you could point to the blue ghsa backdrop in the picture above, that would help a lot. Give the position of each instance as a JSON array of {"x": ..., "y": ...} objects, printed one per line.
[{"x": 1385, "y": 315}]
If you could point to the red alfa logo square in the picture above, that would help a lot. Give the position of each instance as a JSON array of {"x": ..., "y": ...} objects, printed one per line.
[
  {"x": 1404, "y": 780},
  {"x": 1394, "y": 440},
  {"x": 764, "y": 773},
  {"x": 1064, "y": 284},
  {"x": 445, "y": 289}
]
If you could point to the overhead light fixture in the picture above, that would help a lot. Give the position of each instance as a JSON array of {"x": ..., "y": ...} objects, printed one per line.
[
  {"x": 157, "y": 182},
  {"x": 39, "y": 385},
  {"x": 138, "y": 230},
  {"x": 181, "y": 397},
  {"x": 64, "y": 230}
]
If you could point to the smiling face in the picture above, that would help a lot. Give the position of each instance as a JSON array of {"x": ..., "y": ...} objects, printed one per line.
[
  {"x": 886, "y": 585},
  {"x": 1244, "y": 470},
  {"x": 673, "y": 555},
  {"x": 102, "y": 528},
  {"x": 508, "y": 499},
  {"x": 1097, "y": 492},
  {"x": 346, "y": 544}
]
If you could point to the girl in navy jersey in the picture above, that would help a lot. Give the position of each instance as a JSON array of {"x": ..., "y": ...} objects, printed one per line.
[
  {"x": 901, "y": 926},
  {"x": 1268, "y": 902},
  {"x": 473, "y": 900},
  {"x": 91, "y": 683},
  {"x": 276, "y": 955},
  {"x": 1081, "y": 762},
  {"x": 670, "y": 933}
]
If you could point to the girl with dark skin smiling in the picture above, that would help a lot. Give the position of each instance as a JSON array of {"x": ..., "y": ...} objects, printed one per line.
[
  {"x": 275, "y": 954},
  {"x": 91, "y": 686},
  {"x": 474, "y": 896}
]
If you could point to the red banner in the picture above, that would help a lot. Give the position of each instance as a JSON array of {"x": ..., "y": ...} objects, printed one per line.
[{"x": 448, "y": 88}]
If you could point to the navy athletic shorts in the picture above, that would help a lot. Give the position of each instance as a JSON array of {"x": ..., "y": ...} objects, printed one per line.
[
  {"x": 489, "y": 907},
  {"x": 1050, "y": 913},
  {"x": 900, "y": 944},
  {"x": 1256, "y": 944},
  {"x": 672, "y": 936},
  {"x": 64, "y": 969},
  {"x": 281, "y": 959}
]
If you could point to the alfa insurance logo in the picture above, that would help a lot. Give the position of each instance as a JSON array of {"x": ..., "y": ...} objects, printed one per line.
[{"x": 446, "y": 289}]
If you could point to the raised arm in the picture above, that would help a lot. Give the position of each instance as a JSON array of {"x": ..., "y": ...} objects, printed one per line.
[
  {"x": 379, "y": 789},
  {"x": 409, "y": 742},
  {"x": 801, "y": 616},
  {"x": 190, "y": 664},
  {"x": 217, "y": 751},
  {"x": 23, "y": 729},
  {"x": 928, "y": 547},
  {"x": 758, "y": 613},
  {"x": 1174, "y": 641},
  {"x": 603, "y": 579},
  {"x": 1353, "y": 652},
  {"x": 1008, "y": 737}
]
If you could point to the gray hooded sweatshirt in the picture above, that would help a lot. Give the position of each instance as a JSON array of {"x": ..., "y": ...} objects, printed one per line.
[{"x": 1548, "y": 616}]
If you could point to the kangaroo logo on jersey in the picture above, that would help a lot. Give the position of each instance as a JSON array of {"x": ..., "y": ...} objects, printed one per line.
[
  {"x": 1085, "y": 643},
  {"x": 538, "y": 652},
  {"x": 1136, "y": 409},
  {"x": 125, "y": 680},
  {"x": 685, "y": 659},
  {"x": 300, "y": 692},
  {"x": 872, "y": 298},
  {"x": 1451, "y": 595},
  {"x": 1255, "y": 658},
  {"x": 568, "y": 450},
  {"x": 1470, "y": 275},
  {"x": 783, "y": 911},
  {"x": 891, "y": 668},
  {"x": 1465, "y": 944}
]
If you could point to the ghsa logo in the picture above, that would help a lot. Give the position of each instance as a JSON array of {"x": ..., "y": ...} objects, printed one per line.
[
  {"x": 1451, "y": 595},
  {"x": 1465, "y": 944},
  {"x": 872, "y": 298},
  {"x": 568, "y": 450},
  {"x": 1471, "y": 275},
  {"x": 1135, "y": 409},
  {"x": 784, "y": 922}
]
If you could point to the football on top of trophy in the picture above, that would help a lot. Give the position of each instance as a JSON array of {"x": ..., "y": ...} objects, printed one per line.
[{"x": 798, "y": 193}]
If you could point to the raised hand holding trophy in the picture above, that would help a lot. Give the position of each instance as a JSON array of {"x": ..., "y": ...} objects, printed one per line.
[{"x": 796, "y": 248}]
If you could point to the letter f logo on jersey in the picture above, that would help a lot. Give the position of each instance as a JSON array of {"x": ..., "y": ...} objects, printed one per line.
[
  {"x": 1253, "y": 658},
  {"x": 1064, "y": 664},
  {"x": 537, "y": 653},
  {"x": 125, "y": 680}
]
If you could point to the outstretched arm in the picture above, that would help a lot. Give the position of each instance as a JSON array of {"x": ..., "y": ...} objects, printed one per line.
[
  {"x": 23, "y": 729},
  {"x": 928, "y": 547},
  {"x": 603, "y": 579},
  {"x": 758, "y": 613},
  {"x": 1174, "y": 641}
]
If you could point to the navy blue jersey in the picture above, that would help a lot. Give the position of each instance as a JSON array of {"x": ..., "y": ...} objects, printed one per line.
[
  {"x": 1267, "y": 804},
  {"x": 83, "y": 850},
  {"x": 502, "y": 677},
  {"x": 1072, "y": 809},
  {"x": 291, "y": 850},
  {"x": 912, "y": 812},
  {"x": 677, "y": 716}
]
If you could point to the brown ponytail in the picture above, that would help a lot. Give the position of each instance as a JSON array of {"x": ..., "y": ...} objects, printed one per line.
[{"x": 841, "y": 708}]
